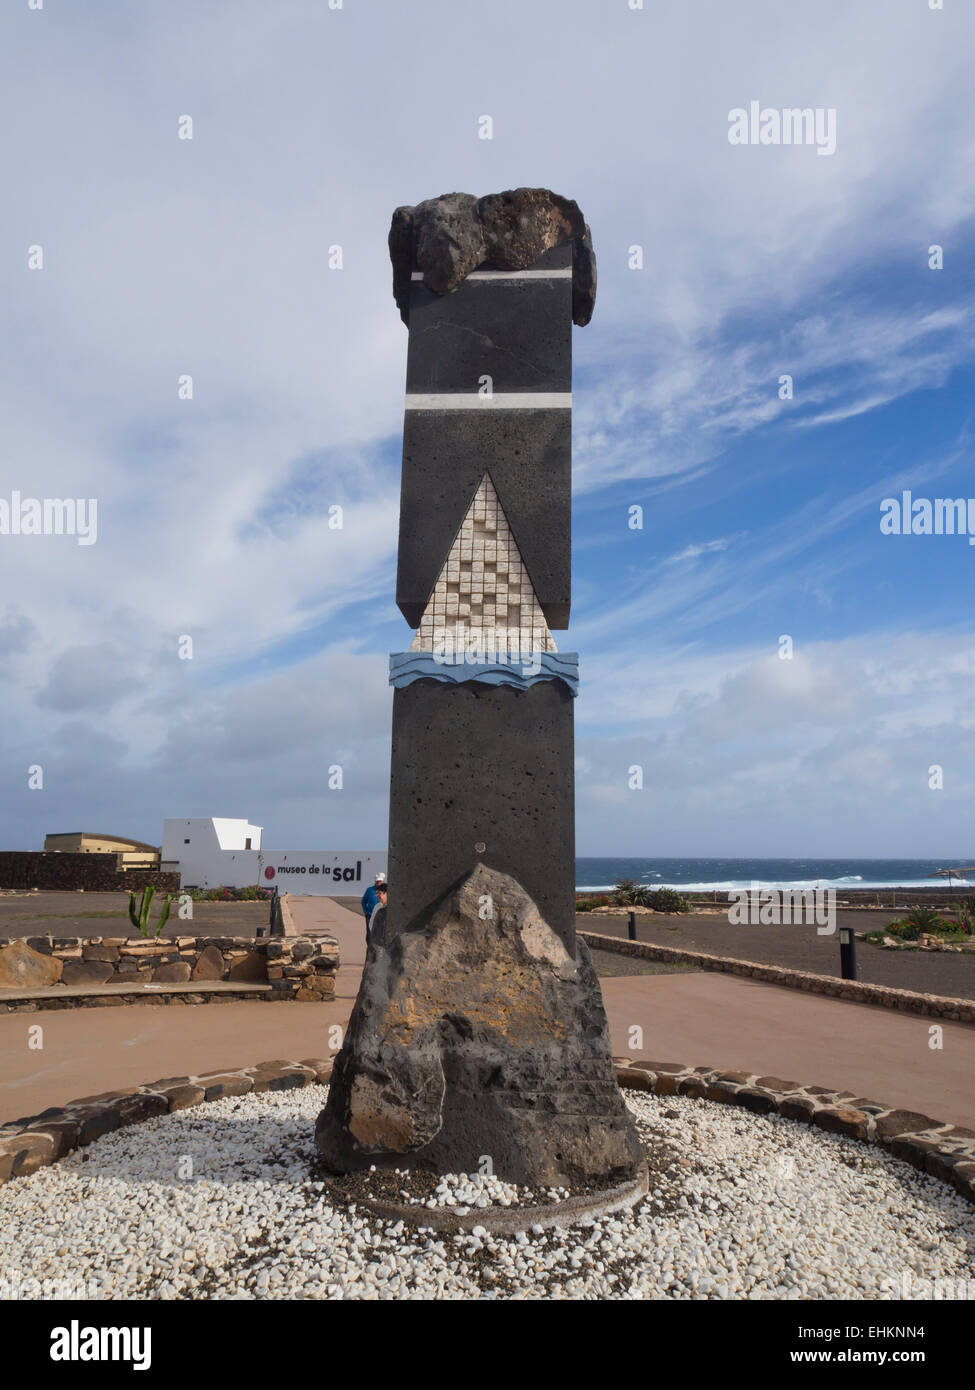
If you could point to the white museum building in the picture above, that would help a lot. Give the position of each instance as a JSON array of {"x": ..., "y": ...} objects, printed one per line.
[{"x": 217, "y": 852}]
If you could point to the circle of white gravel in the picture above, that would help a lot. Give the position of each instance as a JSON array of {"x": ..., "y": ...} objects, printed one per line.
[{"x": 218, "y": 1201}]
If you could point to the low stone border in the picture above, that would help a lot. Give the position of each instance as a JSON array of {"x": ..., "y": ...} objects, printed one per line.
[
  {"x": 943, "y": 1150},
  {"x": 884, "y": 996},
  {"x": 295, "y": 967},
  {"x": 39, "y": 1140},
  {"x": 509, "y": 1221}
]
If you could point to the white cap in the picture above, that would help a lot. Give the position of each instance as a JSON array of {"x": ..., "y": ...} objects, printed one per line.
[{"x": 380, "y": 878}]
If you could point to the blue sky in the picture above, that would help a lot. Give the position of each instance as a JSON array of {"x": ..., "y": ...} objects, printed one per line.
[{"x": 761, "y": 516}]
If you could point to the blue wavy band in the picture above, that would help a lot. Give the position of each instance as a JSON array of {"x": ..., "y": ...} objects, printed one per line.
[{"x": 519, "y": 671}]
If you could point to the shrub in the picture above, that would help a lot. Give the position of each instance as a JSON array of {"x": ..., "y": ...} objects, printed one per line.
[
  {"x": 229, "y": 895},
  {"x": 952, "y": 929},
  {"x": 668, "y": 900},
  {"x": 626, "y": 893},
  {"x": 591, "y": 901},
  {"x": 924, "y": 921},
  {"x": 904, "y": 931},
  {"x": 630, "y": 894}
]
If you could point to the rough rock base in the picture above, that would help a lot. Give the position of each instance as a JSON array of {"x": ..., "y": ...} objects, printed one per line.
[{"x": 478, "y": 1037}]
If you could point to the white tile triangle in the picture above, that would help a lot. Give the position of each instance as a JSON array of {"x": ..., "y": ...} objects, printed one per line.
[{"x": 484, "y": 595}]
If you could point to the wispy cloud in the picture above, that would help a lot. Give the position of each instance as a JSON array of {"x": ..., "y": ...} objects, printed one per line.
[{"x": 694, "y": 552}]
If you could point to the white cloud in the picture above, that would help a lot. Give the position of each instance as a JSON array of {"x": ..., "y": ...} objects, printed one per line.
[
  {"x": 826, "y": 754},
  {"x": 209, "y": 257}
]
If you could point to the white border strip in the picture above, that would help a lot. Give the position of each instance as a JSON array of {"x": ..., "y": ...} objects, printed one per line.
[
  {"x": 501, "y": 400},
  {"x": 565, "y": 274}
]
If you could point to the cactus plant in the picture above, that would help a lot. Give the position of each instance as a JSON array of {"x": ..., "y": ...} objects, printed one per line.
[{"x": 139, "y": 917}]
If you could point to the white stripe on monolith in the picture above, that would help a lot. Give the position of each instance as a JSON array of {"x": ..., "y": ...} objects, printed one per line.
[
  {"x": 499, "y": 400},
  {"x": 565, "y": 274}
]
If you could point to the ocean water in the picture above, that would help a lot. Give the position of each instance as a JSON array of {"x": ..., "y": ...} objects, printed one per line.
[{"x": 705, "y": 875}]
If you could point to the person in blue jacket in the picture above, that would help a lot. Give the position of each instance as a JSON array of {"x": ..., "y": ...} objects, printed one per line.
[{"x": 370, "y": 898}]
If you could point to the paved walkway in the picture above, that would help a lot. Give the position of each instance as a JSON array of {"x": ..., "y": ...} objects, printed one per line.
[
  {"x": 317, "y": 916},
  {"x": 702, "y": 1019},
  {"x": 709, "y": 1019},
  {"x": 800, "y": 947}
]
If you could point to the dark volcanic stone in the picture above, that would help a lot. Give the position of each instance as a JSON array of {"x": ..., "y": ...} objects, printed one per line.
[
  {"x": 216, "y": 1087},
  {"x": 280, "y": 1076},
  {"x": 633, "y": 1080},
  {"x": 94, "y": 1121},
  {"x": 132, "y": 1110},
  {"x": 321, "y": 1066},
  {"x": 941, "y": 1164},
  {"x": 480, "y": 1035},
  {"x": 209, "y": 965},
  {"x": 838, "y": 1119},
  {"x": 897, "y": 1122},
  {"x": 100, "y": 953},
  {"x": 176, "y": 972},
  {"x": 252, "y": 969},
  {"x": 182, "y": 1097},
  {"x": 448, "y": 237},
  {"x": 62, "y": 1131},
  {"x": 799, "y": 1108},
  {"x": 87, "y": 972},
  {"x": 912, "y": 1149},
  {"x": 583, "y": 279},
  {"x": 401, "y": 256},
  {"x": 758, "y": 1102},
  {"x": 521, "y": 224},
  {"x": 722, "y": 1092},
  {"x": 22, "y": 1154},
  {"x": 23, "y": 968}
]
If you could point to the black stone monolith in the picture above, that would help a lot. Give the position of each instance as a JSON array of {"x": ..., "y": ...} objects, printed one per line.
[{"x": 479, "y": 1029}]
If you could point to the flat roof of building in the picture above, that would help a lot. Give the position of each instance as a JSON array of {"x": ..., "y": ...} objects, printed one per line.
[{"x": 98, "y": 835}]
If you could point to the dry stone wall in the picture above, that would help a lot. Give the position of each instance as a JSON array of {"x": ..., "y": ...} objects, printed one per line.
[
  {"x": 300, "y": 968},
  {"x": 95, "y": 873}
]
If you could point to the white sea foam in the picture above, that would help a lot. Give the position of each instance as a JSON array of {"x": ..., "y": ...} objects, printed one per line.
[{"x": 730, "y": 884}]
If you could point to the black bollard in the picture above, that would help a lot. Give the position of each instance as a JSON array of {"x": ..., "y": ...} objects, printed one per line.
[
  {"x": 631, "y": 926},
  {"x": 848, "y": 953}
]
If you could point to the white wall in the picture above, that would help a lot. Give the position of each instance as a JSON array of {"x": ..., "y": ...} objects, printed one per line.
[
  {"x": 208, "y": 861},
  {"x": 234, "y": 834},
  {"x": 195, "y": 845}
]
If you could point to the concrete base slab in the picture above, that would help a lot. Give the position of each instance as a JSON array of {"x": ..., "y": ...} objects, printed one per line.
[{"x": 509, "y": 1221}]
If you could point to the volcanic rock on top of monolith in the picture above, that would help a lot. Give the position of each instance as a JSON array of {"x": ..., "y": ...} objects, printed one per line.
[
  {"x": 446, "y": 238},
  {"x": 480, "y": 1035}
]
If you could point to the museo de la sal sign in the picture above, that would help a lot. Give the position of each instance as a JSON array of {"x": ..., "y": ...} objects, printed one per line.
[
  {"x": 325, "y": 872},
  {"x": 314, "y": 872}
]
